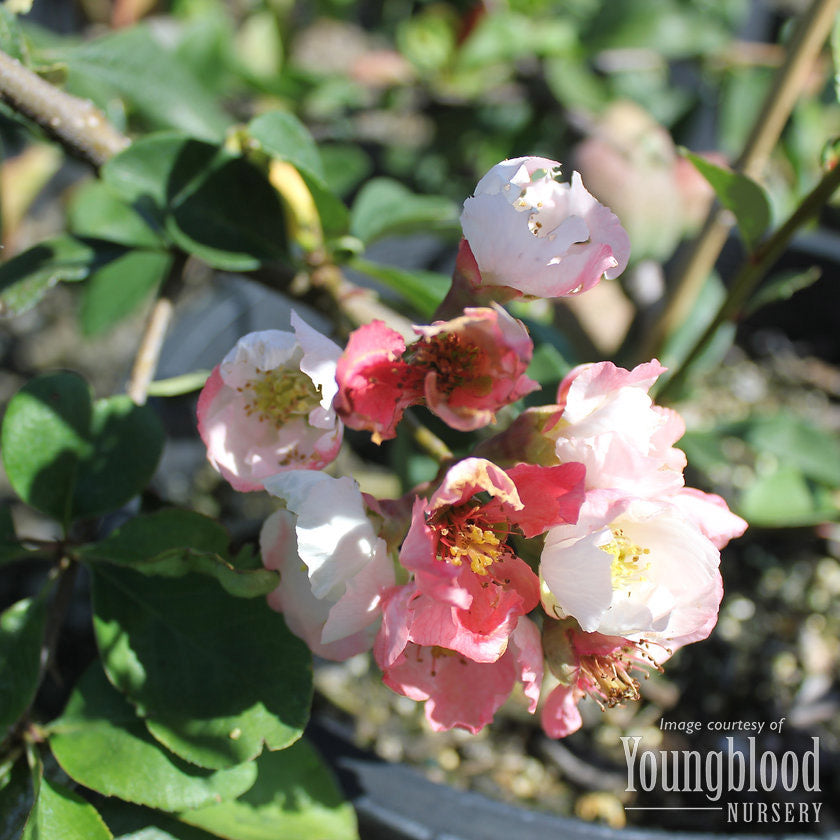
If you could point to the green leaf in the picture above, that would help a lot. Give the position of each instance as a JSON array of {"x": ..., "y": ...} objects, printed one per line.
[
  {"x": 12, "y": 41},
  {"x": 116, "y": 290},
  {"x": 334, "y": 215},
  {"x": 133, "y": 64},
  {"x": 424, "y": 290},
  {"x": 782, "y": 287},
  {"x": 71, "y": 458},
  {"x": 294, "y": 797},
  {"x": 345, "y": 166},
  {"x": 10, "y": 547},
  {"x": 173, "y": 543},
  {"x": 741, "y": 195},
  {"x": 16, "y": 799},
  {"x": 27, "y": 277},
  {"x": 21, "y": 636},
  {"x": 385, "y": 207},
  {"x": 799, "y": 444},
  {"x": 97, "y": 210},
  {"x": 783, "y": 498},
  {"x": 282, "y": 135},
  {"x": 101, "y": 743},
  {"x": 136, "y": 822},
  {"x": 61, "y": 813},
  {"x": 210, "y": 202},
  {"x": 218, "y": 677}
]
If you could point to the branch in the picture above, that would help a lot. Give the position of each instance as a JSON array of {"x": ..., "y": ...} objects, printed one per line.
[
  {"x": 754, "y": 269},
  {"x": 692, "y": 271},
  {"x": 154, "y": 333},
  {"x": 76, "y": 123}
]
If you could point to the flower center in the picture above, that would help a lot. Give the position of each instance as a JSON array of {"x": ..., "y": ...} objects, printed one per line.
[
  {"x": 609, "y": 679},
  {"x": 452, "y": 358},
  {"x": 627, "y": 566},
  {"x": 480, "y": 547},
  {"x": 280, "y": 394}
]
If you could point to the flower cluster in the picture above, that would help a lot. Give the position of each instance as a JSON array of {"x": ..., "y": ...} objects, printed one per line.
[{"x": 564, "y": 554}]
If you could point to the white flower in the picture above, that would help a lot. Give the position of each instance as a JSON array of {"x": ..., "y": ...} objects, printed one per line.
[
  {"x": 268, "y": 406},
  {"x": 529, "y": 232},
  {"x": 633, "y": 568},
  {"x": 333, "y": 566}
]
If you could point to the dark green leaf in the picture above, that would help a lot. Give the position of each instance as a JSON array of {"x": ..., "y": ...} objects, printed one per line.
[
  {"x": 70, "y": 458},
  {"x": 15, "y": 799},
  {"x": 101, "y": 743},
  {"x": 135, "y": 822},
  {"x": 294, "y": 797},
  {"x": 218, "y": 677},
  {"x": 21, "y": 637},
  {"x": 44, "y": 437},
  {"x": 133, "y": 64},
  {"x": 26, "y": 278},
  {"x": 97, "y": 210},
  {"x": 282, "y": 135},
  {"x": 741, "y": 195},
  {"x": 10, "y": 547},
  {"x": 173, "y": 543},
  {"x": 60, "y": 813},
  {"x": 424, "y": 290},
  {"x": 115, "y": 291},
  {"x": 211, "y": 203},
  {"x": 384, "y": 206}
]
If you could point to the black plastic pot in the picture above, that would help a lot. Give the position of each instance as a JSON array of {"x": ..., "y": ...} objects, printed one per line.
[{"x": 394, "y": 802}]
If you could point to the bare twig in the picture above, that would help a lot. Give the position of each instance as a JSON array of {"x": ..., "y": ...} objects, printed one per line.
[
  {"x": 76, "y": 123},
  {"x": 157, "y": 324},
  {"x": 694, "y": 268}
]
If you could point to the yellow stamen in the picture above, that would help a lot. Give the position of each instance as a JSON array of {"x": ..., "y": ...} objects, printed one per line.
[
  {"x": 280, "y": 394},
  {"x": 626, "y": 566},
  {"x": 480, "y": 547}
]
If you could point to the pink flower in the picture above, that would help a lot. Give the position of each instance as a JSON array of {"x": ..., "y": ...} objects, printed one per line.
[
  {"x": 588, "y": 664},
  {"x": 268, "y": 406},
  {"x": 537, "y": 236},
  {"x": 634, "y": 568},
  {"x": 710, "y": 514},
  {"x": 464, "y": 370},
  {"x": 333, "y": 566},
  {"x": 610, "y": 424},
  {"x": 458, "y": 551},
  {"x": 457, "y": 690},
  {"x": 375, "y": 385}
]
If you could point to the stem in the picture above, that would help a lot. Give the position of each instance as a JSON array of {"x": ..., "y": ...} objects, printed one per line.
[
  {"x": 69, "y": 570},
  {"x": 754, "y": 269},
  {"x": 76, "y": 123},
  {"x": 428, "y": 441},
  {"x": 692, "y": 271},
  {"x": 157, "y": 324}
]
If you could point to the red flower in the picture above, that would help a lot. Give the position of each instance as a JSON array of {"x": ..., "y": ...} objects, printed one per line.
[{"x": 464, "y": 370}]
